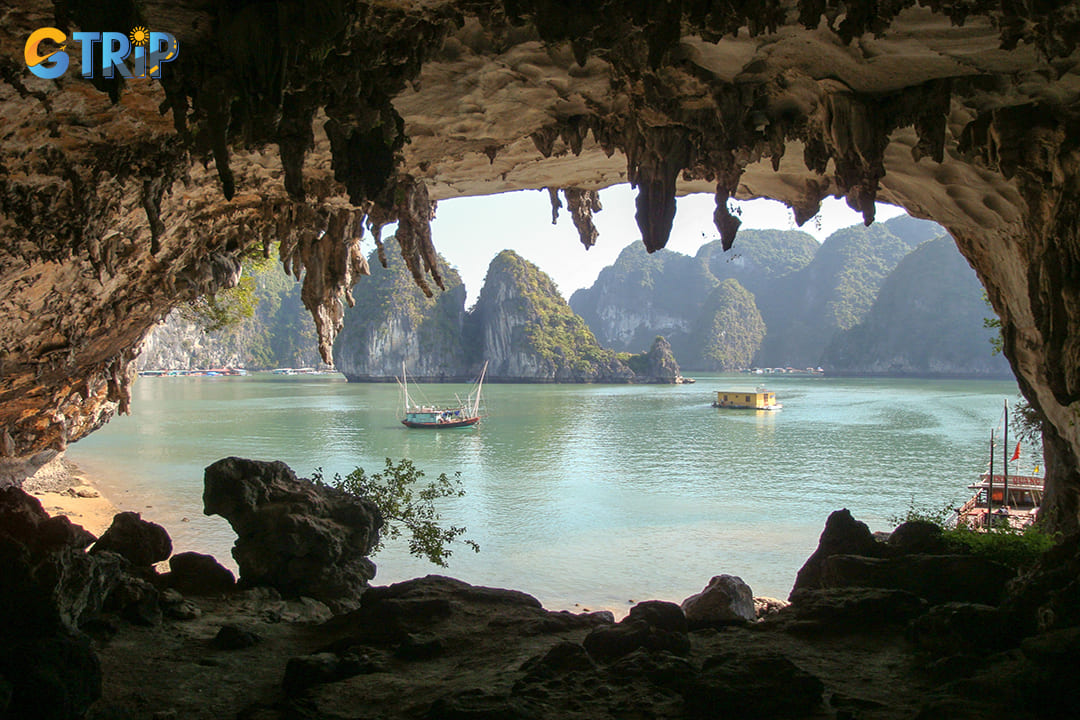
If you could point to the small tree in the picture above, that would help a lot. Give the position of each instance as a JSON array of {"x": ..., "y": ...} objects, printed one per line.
[{"x": 394, "y": 491}]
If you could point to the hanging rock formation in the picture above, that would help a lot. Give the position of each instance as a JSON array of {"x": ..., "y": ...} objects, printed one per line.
[{"x": 121, "y": 198}]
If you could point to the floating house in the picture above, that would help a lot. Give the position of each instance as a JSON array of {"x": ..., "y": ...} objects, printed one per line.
[{"x": 760, "y": 399}]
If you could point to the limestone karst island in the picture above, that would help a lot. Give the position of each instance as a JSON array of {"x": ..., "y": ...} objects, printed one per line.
[{"x": 280, "y": 546}]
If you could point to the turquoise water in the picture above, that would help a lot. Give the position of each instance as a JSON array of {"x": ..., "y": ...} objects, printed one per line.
[{"x": 582, "y": 495}]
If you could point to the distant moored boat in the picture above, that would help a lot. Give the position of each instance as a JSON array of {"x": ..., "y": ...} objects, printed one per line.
[{"x": 464, "y": 414}]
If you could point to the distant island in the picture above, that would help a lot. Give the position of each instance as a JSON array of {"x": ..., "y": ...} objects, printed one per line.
[
  {"x": 895, "y": 298},
  {"x": 521, "y": 327},
  {"x": 778, "y": 298}
]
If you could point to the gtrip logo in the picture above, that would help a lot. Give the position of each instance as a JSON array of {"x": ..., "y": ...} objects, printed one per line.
[{"x": 104, "y": 51}]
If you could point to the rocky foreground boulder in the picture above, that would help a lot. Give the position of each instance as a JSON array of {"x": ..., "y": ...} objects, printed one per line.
[
  {"x": 297, "y": 536},
  {"x": 101, "y": 638}
]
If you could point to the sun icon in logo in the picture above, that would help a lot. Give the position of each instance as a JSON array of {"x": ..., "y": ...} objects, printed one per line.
[{"x": 139, "y": 36}]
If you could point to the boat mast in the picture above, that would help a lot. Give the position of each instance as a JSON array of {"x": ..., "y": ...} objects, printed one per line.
[
  {"x": 990, "y": 485},
  {"x": 405, "y": 387},
  {"x": 1005, "y": 463},
  {"x": 479, "y": 385}
]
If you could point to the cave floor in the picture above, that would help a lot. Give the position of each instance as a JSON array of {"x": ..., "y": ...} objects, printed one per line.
[{"x": 457, "y": 653}]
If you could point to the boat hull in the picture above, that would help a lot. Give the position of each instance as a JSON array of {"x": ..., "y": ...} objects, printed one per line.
[{"x": 467, "y": 422}]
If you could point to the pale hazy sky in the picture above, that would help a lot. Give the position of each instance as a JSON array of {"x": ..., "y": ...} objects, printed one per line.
[{"x": 469, "y": 232}]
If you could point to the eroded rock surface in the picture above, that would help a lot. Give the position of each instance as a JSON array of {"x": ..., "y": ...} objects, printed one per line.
[
  {"x": 122, "y": 199},
  {"x": 294, "y": 535}
]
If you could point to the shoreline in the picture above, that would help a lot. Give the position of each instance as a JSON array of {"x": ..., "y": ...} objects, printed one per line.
[{"x": 63, "y": 488}]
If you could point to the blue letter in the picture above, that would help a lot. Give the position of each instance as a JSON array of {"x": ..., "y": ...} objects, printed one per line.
[
  {"x": 87, "y": 39},
  {"x": 163, "y": 48},
  {"x": 114, "y": 48}
]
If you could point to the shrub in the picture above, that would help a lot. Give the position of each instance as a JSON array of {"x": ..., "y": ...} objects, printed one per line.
[
  {"x": 403, "y": 506},
  {"x": 1016, "y": 548}
]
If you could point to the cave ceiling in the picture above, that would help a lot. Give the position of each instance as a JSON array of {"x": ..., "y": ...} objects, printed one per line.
[{"x": 315, "y": 123}]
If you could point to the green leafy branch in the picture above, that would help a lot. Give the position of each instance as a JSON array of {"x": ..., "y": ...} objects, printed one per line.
[{"x": 406, "y": 503}]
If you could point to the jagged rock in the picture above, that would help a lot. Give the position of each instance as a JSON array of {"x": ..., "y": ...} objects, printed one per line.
[
  {"x": 293, "y": 535},
  {"x": 136, "y": 600},
  {"x": 937, "y": 578},
  {"x": 658, "y": 365},
  {"x": 174, "y": 606},
  {"x": 767, "y": 606},
  {"x": 527, "y": 333},
  {"x": 848, "y": 610},
  {"x": 843, "y": 535},
  {"x": 197, "y": 574},
  {"x": 140, "y": 542},
  {"x": 654, "y": 625},
  {"x": 394, "y": 323},
  {"x": 54, "y": 677},
  {"x": 918, "y": 536},
  {"x": 24, "y": 520},
  {"x": 726, "y": 599},
  {"x": 50, "y": 583}
]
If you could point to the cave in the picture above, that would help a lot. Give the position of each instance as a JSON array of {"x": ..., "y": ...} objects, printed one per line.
[{"x": 314, "y": 123}]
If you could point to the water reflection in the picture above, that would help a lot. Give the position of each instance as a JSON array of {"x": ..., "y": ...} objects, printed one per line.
[{"x": 591, "y": 494}]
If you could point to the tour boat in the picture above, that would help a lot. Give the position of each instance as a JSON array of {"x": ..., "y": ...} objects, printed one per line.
[
  {"x": 464, "y": 414},
  {"x": 759, "y": 399},
  {"x": 1002, "y": 498},
  {"x": 1014, "y": 499}
]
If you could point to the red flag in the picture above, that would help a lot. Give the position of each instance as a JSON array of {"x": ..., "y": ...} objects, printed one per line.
[{"x": 1016, "y": 453}]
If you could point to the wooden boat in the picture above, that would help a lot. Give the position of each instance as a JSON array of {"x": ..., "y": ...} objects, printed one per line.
[
  {"x": 431, "y": 417},
  {"x": 1002, "y": 499},
  {"x": 992, "y": 504}
]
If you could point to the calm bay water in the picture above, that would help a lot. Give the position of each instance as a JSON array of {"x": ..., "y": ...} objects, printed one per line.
[{"x": 587, "y": 495}]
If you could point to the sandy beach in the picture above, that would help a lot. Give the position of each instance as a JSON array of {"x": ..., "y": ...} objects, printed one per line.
[{"x": 64, "y": 489}]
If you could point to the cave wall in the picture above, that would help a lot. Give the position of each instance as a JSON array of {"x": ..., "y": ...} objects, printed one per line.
[{"x": 312, "y": 123}]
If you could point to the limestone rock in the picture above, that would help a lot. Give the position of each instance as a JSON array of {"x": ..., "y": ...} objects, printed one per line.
[
  {"x": 848, "y": 610},
  {"x": 197, "y": 574},
  {"x": 768, "y": 606},
  {"x": 917, "y": 537},
  {"x": 395, "y": 323},
  {"x": 292, "y": 534},
  {"x": 937, "y": 578},
  {"x": 726, "y": 599},
  {"x": 653, "y": 625},
  {"x": 50, "y": 583},
  {"x": 140, "y": 542},
  {"x": 843, "y": 534},
  {"x": 527, "y": 333}
]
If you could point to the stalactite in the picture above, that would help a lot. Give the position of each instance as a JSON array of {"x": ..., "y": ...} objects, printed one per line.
[
  {"x": 582, "y": 204},
  {"x": 654, "y": 159},
  {"x": 556, "y": 204}
]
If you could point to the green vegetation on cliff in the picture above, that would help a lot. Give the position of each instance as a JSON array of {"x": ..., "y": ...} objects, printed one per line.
[
  {"x": 798, "y": 294},
  {"x": 261, "y": 323},
  {"x": 544, "y": 331},
  {"x": 667, "y": 293},
  {"x": 394, "y": 322},
  {"x": 731, "y": 328},
  {"x": 927, "y": 320}
]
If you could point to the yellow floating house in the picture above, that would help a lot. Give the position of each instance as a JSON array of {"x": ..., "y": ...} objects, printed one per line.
[{"x": 760, "y": 399}]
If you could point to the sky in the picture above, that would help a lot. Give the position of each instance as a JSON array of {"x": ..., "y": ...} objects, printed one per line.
[{"x": 469, "y": 232}]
